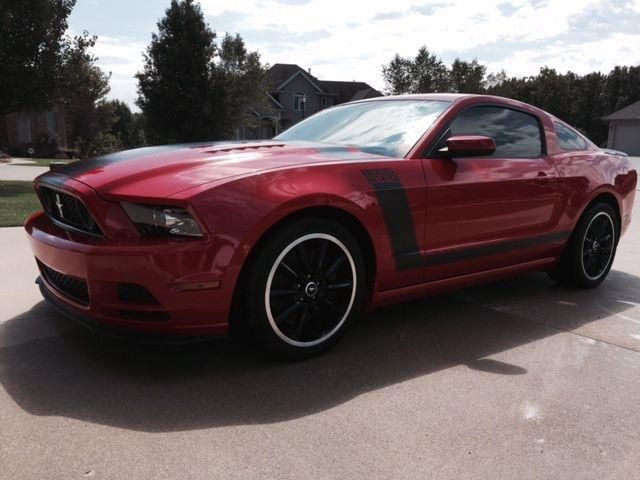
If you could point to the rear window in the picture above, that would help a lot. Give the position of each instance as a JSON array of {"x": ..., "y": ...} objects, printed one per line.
[{"x": 569, "y": 139}]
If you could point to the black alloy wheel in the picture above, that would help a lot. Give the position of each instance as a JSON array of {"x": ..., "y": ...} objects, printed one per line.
[
  {"x": 590, "y": 252},
  {"x": 598, "y": 245},
  {"x": 304, "y": 287},
  {"x": 310, "y": 289}
]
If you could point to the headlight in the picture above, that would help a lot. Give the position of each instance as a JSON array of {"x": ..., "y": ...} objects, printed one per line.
[{"x": 158, "y": 220}]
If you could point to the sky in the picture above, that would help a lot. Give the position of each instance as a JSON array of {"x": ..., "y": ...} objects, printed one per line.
[{"x": 351, "y": 40}]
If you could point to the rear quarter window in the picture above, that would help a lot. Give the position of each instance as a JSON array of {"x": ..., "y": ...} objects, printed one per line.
[{"x": 569, "y": 139}]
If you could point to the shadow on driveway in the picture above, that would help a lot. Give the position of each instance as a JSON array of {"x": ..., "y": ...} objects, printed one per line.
[{"x": 149, "y": 388}]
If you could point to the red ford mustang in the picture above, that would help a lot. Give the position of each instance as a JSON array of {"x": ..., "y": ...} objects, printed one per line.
[{"x": 359, "y": 206}]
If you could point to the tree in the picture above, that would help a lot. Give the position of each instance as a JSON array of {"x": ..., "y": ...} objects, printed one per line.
[
  {"x": 467, "y": 77},
  {"x": 428, "y": 73},
  {"x": 622, "y": 88},
  {"x": 588, "y": 106},
  {"x": 127, "y": 126},
  {"x": 189, "y": 89},
  {"x": 397, "y": 75},
  {"x": 89, "y": 116},
  {"x": 175, "y": 90},
  {"x": 424, "y": 73},
  {"x": 32, "y": 52},
  {"x": 242, "y": 82},
  {"x": 581, "y": 100}
]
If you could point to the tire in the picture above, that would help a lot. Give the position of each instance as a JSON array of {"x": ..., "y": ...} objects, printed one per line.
[
  {"x": 591, "y": 250},
  {"x": 304, "y": 289}
]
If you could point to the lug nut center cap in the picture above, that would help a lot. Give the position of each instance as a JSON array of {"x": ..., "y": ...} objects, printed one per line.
[{"x": 311, "y": 289}]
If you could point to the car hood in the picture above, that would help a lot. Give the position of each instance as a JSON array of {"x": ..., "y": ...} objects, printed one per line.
[{"x": 159, "y": 172}]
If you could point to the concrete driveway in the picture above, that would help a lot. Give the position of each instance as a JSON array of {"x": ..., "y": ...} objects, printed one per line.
[
  {"x": 20, "y": 170},
  {"x": 518, "y": 379}
]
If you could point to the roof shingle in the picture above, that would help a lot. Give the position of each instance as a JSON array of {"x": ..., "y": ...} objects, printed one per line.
[{"x": 630, "y": 112}]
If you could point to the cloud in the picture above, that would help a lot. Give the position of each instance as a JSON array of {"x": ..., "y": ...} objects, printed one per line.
[
  {"x": 123, "y": 58},
  {"x": 344, "y": 41},
  {"x": 388, "y": 15},
  {"x": 280, "y": 39}
]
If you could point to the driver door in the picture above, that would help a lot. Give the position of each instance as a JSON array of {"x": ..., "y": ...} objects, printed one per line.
[{"x": 493, "y": 211}]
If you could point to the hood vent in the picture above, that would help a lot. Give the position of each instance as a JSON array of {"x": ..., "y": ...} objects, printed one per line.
[{"x": 240, "y": 147}]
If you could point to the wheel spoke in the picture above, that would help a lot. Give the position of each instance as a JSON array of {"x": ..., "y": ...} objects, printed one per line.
[
  {"x": 287, "y": 312},
  {"x": 289, "y": 270},
  {"x": 331, "y": 304},
  {"x": 322, "y": 254},
  {"x": 338, "y": 286},
  {"x": 316, "y": 320},
  {"x": 281, "y": 293},
  {"x": 591, "y": 263},
  {"x": 334, "y": 266},
  {"x": 303, "y": 258},
  {"x": 301, "y": 323}
]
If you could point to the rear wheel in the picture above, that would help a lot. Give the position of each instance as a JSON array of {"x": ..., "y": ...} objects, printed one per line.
[
  {"x": 305, "y": 288},
  {"x": 591, "y": 249}
]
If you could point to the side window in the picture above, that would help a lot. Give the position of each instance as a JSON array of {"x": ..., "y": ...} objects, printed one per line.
[
  {"x": 517, "y": 134},
  {"x": 568, "y": 139},
  {"x": 298, "y": 100}
]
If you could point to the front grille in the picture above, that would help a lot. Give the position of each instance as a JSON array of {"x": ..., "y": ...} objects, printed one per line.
[
  {"x": 72, "y": 287},
  {"x": 68, "y": 211}
]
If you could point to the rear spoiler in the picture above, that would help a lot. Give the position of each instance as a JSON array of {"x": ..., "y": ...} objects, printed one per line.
[{"x": 614, "y": 152}]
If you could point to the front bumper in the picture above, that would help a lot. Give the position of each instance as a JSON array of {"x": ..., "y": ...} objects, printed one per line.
[{"x": 186, "y": 280}]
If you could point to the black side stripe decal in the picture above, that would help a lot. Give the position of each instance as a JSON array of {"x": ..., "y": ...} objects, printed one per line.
[
  {"x": 396, "y": 211},
  {"x": 496, "y": 248}
]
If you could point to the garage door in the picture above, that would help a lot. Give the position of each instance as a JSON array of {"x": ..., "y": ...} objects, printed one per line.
[{"x": 627, "y": 139}]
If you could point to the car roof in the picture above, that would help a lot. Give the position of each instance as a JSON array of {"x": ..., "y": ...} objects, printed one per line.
[
  {"x": 456, "y": 97},
  {"x": 447, "y": 97}
]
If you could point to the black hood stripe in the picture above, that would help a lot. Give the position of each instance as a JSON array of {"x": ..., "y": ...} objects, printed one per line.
[{"x": 83, "y": 166}]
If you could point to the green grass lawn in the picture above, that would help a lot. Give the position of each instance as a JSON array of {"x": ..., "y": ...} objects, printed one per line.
[
  {"x": 17, "y": 201},
  {"x": 44, "y": 162}
]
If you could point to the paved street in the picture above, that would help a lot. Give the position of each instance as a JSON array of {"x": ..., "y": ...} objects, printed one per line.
[{"x": 518, "y": 379}]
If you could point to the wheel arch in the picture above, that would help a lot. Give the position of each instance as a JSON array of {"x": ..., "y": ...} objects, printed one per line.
[
  {"x": 608, "y": 198},
  {"x": 339, "y": 215}
]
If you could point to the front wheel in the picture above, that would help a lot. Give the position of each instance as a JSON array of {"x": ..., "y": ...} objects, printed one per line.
[
  {"x": 305, "y": 287},
  {"x": 591, "y": 249}
]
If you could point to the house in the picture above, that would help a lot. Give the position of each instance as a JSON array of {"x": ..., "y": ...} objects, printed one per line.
[
  {"x": 296, "y": 94},
  {"x": 624, "y": 129},
  {"x": 43, "y": 133}
]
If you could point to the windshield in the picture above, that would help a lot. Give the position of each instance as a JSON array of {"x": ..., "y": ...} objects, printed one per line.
[{"x": 389, "y": 127}]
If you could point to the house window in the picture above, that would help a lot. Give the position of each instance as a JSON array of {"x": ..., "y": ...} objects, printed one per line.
[
  {"x": 323, "y": 101},
  {"x": 51, "y": 121},
  {"x": 24, "y": 129},
  {"x": 298, "y": 100}
]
